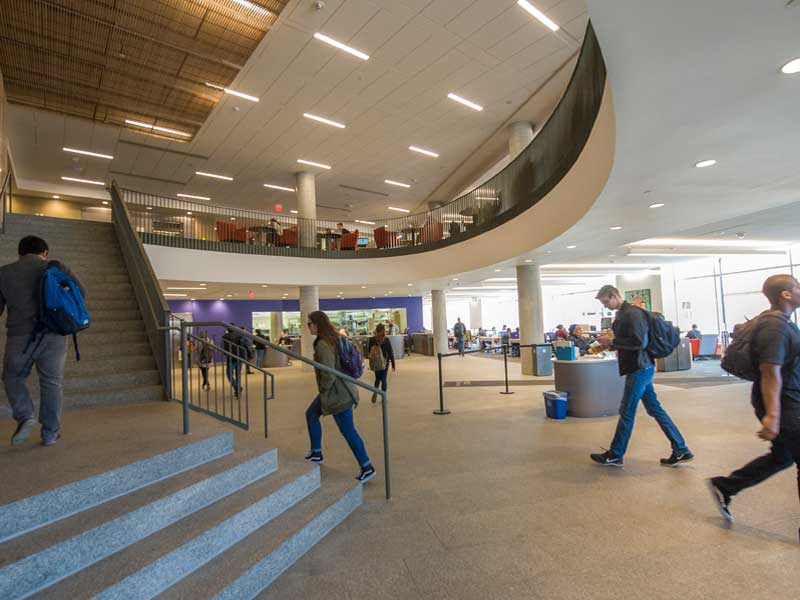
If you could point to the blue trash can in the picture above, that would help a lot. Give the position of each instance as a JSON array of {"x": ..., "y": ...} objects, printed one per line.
[{"x": 555, "y": 404}]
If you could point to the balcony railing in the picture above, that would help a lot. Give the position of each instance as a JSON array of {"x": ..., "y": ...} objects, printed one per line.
[{"x": 520, "y": 185}]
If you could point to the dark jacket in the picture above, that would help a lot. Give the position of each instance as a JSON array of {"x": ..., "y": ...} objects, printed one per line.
[
  {"x": 386, "y": 348},
  {"x": 204, "y": 353},
  {"x": 630, "y": 339},
  {"x": 233, "y": 343},
  {"x": 580, "y": 343},
  {"x": 335, "y": 394}
]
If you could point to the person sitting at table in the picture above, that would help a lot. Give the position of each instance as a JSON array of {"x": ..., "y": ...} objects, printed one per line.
[
  {"x": 340, "y": 229},
  {"x": 454, "y": 228},
  {"x": 577, "y": 339},
  {"x": 694, "y": 333},
  {"x": 274, "y": 231},
  {"x": 561, "y": 333},
  {"x": 283, "y": 339}
]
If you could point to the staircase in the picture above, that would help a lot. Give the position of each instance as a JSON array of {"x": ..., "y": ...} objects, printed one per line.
[
  {"x": 201, "y": 521},
  {"x": 117, "y": 364}
]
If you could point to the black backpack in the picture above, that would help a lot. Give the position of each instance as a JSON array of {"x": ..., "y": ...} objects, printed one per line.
[
  {"x": 739, "y": 359},
  {"x": 662, "y": 336}
]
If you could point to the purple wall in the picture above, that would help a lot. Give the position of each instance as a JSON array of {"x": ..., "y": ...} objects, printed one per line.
[{"x": 241, "y": 312}]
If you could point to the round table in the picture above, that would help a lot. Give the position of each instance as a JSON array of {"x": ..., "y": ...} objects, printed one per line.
[{"x": 594, "y": 386}]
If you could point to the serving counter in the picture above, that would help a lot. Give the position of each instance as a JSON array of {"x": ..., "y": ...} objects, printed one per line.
[{"x": 594, "y": 386}]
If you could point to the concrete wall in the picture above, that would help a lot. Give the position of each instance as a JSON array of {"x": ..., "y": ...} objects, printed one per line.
[{"x": 49, "y": 207}]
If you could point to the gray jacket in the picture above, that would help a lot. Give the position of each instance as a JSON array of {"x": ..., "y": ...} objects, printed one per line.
[{"x": 19, "y": 291}]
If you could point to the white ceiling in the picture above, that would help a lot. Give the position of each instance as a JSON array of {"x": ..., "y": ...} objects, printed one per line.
[{"x": 490, "y": 51}]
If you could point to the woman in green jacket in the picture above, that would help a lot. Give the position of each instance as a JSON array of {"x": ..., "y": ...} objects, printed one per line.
[{"x": 336, "y": 397}]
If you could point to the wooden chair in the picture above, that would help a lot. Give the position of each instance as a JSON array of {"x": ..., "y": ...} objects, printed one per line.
[{"x": 227, "y": 232}]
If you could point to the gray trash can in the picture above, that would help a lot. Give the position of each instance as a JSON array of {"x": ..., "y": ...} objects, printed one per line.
[{"x": 542, "y": 360}]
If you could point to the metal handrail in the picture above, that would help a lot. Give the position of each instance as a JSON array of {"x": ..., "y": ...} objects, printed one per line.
[
  {"x": 4, "y": 189},
  {"x": 317, "y": 365}
]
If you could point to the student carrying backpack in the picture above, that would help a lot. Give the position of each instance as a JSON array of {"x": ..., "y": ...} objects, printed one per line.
[
  {"x": 380, "y": 354},
  {"x": 739, "y": 359}
]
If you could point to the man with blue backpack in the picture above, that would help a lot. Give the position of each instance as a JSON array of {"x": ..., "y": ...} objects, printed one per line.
[
  {"x": 639, "y": 337},
  {"x": 45, "y": 303}
]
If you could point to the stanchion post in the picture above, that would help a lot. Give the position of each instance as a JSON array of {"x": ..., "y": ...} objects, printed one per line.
[
  {"x": 442, "y": 410},
  {"x": 505, "y": 367},
  {"x": 185, "y": 377}
]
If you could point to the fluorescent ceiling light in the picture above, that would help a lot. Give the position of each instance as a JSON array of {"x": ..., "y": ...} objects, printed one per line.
[
  {"x": 185, "y": 288},
  {"x": 528, "y": 260},
  {"x": 213, "y": 175},
  {"x": 728, "y": 252},
  {"x": 313, "y": 164},
  {"x": 705, "y": 163},
  {"x": 341, "y": 46},
  {"x": 56, "y": 197},
  {"x": 76, "y": 180},
  {"x": 157, "y": 128},
  {"x": 294, "y": 212},
  {"x": 699, "y": 243},
  {"x": 397, "y": 183},
  {"x": 571, "y": 247},
  {"x": 423, "y": 151},
  {"x": 252, "y": 6},
  {"x": 323, "y": 120},
  {"x": 87, "y": 153},
  {"x": 177, "y": 295},
  {"x": 615, "y": 228},
  {"x": 149, "y": 207},
  {"x": 233, "y": 92},
  {"x": 538, "y": 14},
  {"x": 193, "y": 197},
  {"x": 465, "y": 102},
  {"x": 792, "y": 67},
  {"x": 364, "y": 222},
  {"x": 188, "y": 212},
  {"x": 612, "y": 266},
  {"x": 279, "y": 187},
  {"x": 105, "y": 202},
  {"x": 402, "y": 210},
  {"x": 657, "y": 205},
  {"x": 485, "y": 197}
]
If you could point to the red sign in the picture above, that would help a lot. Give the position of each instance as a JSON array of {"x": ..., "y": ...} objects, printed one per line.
[
  {"x": 279, "y": 208},
  {"x": 251, "y": 295}
]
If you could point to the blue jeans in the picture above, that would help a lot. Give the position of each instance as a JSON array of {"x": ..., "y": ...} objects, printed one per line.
[
  {"x": 260, "y": 354},
  {"x": 639, "y": 386},
  {"x": 460, "y": 344},
  {"x": 233, "y": 369},
  {"x": 344, "y": 420},
  {"x": 382, "y": 379}
]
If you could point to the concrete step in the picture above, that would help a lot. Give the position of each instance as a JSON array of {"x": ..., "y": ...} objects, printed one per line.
[
  {"x": 81, "y": 383},
  {"x": 92, "y": 281},
  {"x": 118, "y": 302},
  {"x": 92, "y": 337},
  {"x": 104, "y": 315},
  {"x": 111, "y": 326},
  {"x": 43, "y": 509},
  {"x": 41, "y": 570},
  {"x": 98, "y": 291},
  {"x": 114, "y": 396}
]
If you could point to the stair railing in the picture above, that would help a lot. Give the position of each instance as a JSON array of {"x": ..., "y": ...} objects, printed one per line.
[{"x": 5, "y": 191}]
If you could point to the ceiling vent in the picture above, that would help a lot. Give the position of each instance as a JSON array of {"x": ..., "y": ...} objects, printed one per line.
[{"x": 364, "y": 190}]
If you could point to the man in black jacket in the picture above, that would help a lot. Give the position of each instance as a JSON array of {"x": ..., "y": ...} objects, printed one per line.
[{"x": 631, "y": 330}]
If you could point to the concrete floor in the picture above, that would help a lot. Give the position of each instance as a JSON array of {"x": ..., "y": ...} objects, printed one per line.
[{"x": 496, "y": 501}]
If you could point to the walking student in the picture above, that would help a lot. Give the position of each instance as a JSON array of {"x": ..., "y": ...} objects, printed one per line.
[
  {"x": 336, "y": 397},
  {"x": 234, "y": 353},
  {"x": 19, "y": 287},
  {"x": 261, "y": 349},
  {"x": 380, "y": 354},
  {"x": 458, "y": 332},
  {"x": 631, "y": 330},
  {"x": 775, "y": 396},
  {"x": 205, "y": 356}
]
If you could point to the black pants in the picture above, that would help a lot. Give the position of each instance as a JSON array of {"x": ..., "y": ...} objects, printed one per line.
[
  {"x": 784, "y": 453},
  {"x": 204, "y": 372}
]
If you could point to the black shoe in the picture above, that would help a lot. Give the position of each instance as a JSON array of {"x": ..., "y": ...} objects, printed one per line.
[
  {"x": 607, "y": 459},
  {"x": 721, "y": 499},
  {"x": 374, "y": 397},
  {"x": 51, "y": 439},
  {"x": 314, "y": 456},
  {"x": 676, "y": 459},
  {"x": 366, "y": 474}
]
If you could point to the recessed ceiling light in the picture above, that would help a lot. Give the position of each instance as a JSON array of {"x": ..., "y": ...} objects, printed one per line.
[
  {"x": 252, "y": 6},
  {"x": 528, "y": 260},
  {"x": 149, "y": 207},
  {"x": 324, "y": 120},
  {"x": 177, "y": 295},
  {"x": 571, "y": 247},
  {"x": 497, "y": 270},
  {"x": 538, "y": 14},
  {"x": 657, "y": 205},
  {"x": 214, "y": 175},
  {"x": 105, "y": 202},
  {"x": 465, "y": 102},
  {"x": 157, "y": 128},
  {"x": 279, "y": 187},
  {"x": 230, "y": 295},
  {"x": 455, "y": 278},
  {"x": 193, "y": 197},
  {"x": 364, "y": 222},
  {"x": 264, "y": 286},
  {"x": 294, "y": 212},
  {"x": 615, "y": 228},
  {"x": 423, "y": 151},
  {"x": 792, "y": 67},
  {"x": 83, "y": 180},
  {"x": 363, "y": 287},
  {"x": 222, "y": 299},
  {"x": 341, "y": 46},
  {"x": 410, "y": 284},
  {"x": 705, "y": 163},
  {"x": 402, "y": 210},
  {"x": 188, "y": 212},
  {"x": 87, "y": 153},
  {"x": 233, "y": 92},
  {"x": 313, "y": 164},
  {"x": 56, "y": 197},
  {"x": 397, "y": 183},
  {"x": 185, "y": 288},
  {"x": 202, "y": 284},
  {"x": 233, "y": 218}
]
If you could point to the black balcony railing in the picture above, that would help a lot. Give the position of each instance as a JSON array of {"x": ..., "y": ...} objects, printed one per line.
[{"x": 520, "y": 185}]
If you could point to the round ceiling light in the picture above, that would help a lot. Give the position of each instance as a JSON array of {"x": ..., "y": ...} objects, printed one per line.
[
  {"x": 792, "y": 67},
  {"x": 705, "y": 163}
]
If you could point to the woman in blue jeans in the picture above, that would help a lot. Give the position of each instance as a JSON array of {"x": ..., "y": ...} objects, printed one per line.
[
  {"x": 380, "y": 355},
  {"x": 336, "y": 397}
]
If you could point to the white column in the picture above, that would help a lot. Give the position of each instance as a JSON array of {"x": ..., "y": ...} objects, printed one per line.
[
  {"x": 275, "y": 325},
  {"x": 531, "y": 314},
  {"x": 439, "y": 310},
  {"x": 520, "y": 134},
  {"x": 306, "y": 209},
  {"x": 475, "y": 314},
  {"x": 309, "y": 302}
]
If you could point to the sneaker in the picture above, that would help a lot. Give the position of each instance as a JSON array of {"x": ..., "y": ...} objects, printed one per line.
[
  {"x": 23, "y": 431},
  {"x": 607, "y": 459},
  {"x": 721, "y": 499},
  {"x": 676, "y": 459},
  {"x": 366, "y": 474},
  {"x": 314, "y": 456},
  {"x": 374, "y": 397},
  {"x": 50, "y": 440}
]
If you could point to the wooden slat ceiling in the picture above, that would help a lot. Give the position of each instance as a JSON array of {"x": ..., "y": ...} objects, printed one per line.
[{"x": 145, "y": 60}]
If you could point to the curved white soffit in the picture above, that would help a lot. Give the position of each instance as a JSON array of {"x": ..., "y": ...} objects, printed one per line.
[{"x": 565, "y": 205}]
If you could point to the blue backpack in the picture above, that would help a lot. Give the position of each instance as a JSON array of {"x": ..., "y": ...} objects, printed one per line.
[
  {"x": 350, "y": 359},
  {"x": 61, "y": 306}
]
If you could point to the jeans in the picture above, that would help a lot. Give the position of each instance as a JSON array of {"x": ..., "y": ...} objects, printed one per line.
[
  {"x": 382, "y": 379},
  {"x": 234, "y": 372},
  {"x": 346, "y": 425},
  {"x": 49, "y": 359},
  {"x": 204, "y": 373},
  {"x": 260, "y": 354},
  {"x": 460, "y": 344},
  {"x": 639, "y": 386}
]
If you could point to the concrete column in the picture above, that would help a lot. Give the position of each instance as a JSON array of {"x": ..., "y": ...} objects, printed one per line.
[
  {"x": 520, "y": 134},
  {"x": 531, "y": 313},
  {"x": 306, "y": 209},
  {"x": 309, "y": 302},
  {"x": 439, "y": 310},
  {"x": 275, "y": 325},
  {"x": 475, "y": 314}
]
